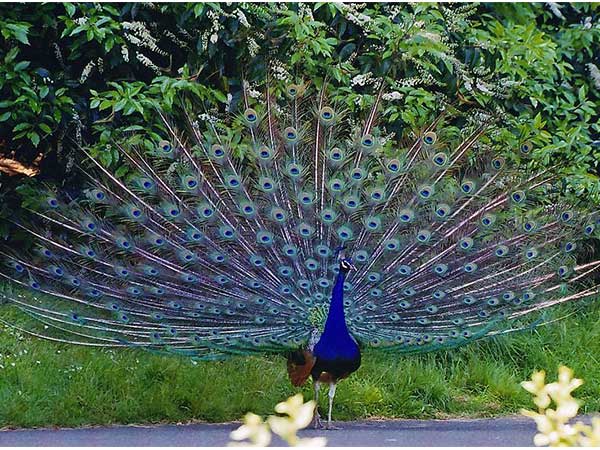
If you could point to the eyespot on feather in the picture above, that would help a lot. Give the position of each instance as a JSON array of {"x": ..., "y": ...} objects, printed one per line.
[{"x": 429, "y": 138}]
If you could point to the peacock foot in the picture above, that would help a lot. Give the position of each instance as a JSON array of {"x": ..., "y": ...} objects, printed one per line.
[{"x": 316, "y": 422}]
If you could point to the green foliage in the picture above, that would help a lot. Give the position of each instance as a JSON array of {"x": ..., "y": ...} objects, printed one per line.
[{"x": 91, "y": 71}]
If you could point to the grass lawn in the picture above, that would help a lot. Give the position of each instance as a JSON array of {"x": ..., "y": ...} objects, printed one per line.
[{"x": 46, "y": 384}]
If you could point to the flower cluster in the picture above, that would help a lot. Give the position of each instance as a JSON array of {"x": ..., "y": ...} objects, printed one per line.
[
  {"x": 87, "y": 70},
  {"x": 139, "y": 35},
  {"x": 253, "y": 47},
  {"x": 394, "y": 95},
  {"x": 553, "y": 425},
  {"x": 147, "y": 62},
  {"x": 215, "y": 26},
  {"x": 253, "y": 93},
  {"x": 295, "y": 415},
  {"x": 125, "y": 53},
  {"x": 555, "y": 8},
  {"x": 594, "y": 74},
  {"x": 363, "y": 79},
  {"x": 352, "y": 12},
  {"x": 279, "y": 71},
  {"x": 304, "y": 11}
]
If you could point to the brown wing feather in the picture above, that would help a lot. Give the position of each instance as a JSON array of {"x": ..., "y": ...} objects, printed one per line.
[{"x": 299, "y": 365}]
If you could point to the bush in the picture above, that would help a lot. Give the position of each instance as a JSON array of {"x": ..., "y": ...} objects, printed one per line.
[{"x": 87, "y": 74}]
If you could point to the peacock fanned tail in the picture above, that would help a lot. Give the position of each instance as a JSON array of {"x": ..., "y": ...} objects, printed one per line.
[{"x": 221, "y": 239}]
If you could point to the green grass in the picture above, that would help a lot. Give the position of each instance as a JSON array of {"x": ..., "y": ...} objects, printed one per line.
[{"x": 47, "y": 384}]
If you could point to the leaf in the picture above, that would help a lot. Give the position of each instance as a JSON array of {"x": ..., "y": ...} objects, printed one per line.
[
  {"x": 44, "y": 91},
  {"x": 34, "y": 138},
  {"x": 21, "y": 126},
  {"x": 122, "y": 170},
  {"x": 134, "y": 128},
  {"x": 11, "y": 55},
  {"x": 4, "y": 117},
  {"x": 21, "y": 66},
  {"x": 347, "y": 51},
  {"x": 70, "y": 7},
  {"x": 220, "y": 96},
  {"x": 45, "y": 128},
  {"x": 19, "y": 32}
]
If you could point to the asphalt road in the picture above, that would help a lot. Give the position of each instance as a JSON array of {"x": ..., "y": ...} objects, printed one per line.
[{"x": 506, "y": 431}]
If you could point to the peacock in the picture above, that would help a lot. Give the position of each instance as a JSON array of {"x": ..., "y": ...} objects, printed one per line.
[{"x": 288, "y": 223}]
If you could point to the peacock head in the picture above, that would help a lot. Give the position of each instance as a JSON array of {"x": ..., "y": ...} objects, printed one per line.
[{"x": 346, "y": 265}]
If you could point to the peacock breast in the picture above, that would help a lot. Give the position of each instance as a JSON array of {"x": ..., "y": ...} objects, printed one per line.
[{"x": 336, "y": 347}]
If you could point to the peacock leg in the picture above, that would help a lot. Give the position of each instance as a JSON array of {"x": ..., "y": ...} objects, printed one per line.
[
  {"x": 331, "y": 395},
  {"x": 316, "y": 422}
]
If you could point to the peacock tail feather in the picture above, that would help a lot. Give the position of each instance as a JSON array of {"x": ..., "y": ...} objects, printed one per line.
[{"x": 221, "y": 239}]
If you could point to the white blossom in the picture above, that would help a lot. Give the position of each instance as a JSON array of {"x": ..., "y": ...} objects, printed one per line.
[
  {"x": 395, "y": 95},
  {"x": 140, "y": 35},
  {"x": 125, "y": 53},
  {"x": 253, "y": 47},
  {"x": 87, "y": 70},
  {"x": 147, "y": 62},
  {"x": 362, "y": 79},
  {"x": 595, "y": 74},
  {"x": 242, "y": 18},
  {"x": 555, "y": 8}
]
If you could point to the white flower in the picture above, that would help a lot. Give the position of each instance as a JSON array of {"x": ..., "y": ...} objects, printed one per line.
[
  {"x": 395, "y": 95},
  {"x": 594, "y": 73},
  {"x": 555, "y": 8},
  {"x": 87, "y": 70},
  {"x": 242, "y": 18},
  {"x": 147, "y": 62},
  {"x": 362, "y": 79}
]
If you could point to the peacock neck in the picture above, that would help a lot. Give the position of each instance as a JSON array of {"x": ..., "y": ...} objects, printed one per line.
[{"x": 336, "y": 320}]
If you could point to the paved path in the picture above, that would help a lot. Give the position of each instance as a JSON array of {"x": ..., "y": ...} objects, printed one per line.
[{"x": 506, "y": 431}]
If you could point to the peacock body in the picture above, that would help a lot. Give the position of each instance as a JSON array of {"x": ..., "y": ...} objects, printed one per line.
[{"x": 294, "y": 226}]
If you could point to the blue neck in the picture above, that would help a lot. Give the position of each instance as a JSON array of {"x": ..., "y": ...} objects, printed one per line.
[{"x": 336, "y": 320}]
